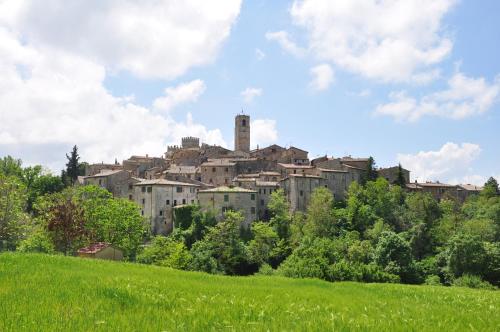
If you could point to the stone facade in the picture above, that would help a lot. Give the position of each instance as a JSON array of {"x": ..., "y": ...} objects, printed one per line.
[
  {"x": 158, "y": 198},
  {"x": 391, "y": 174},
  {"x": 222, "y": 199},
  {"x": 119, "y": 182},
  {"x": 219, "y": 172},
  {"x": 242, "y": 133},
  {"x": 293, "y": 169},
  {"x": 299, "y": 188}
]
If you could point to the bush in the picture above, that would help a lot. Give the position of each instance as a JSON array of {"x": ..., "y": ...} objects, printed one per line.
[
  {"x": 37, "y": 241},
  {"x": 472, "y": 281},
  {"x": 433, "y": 280},
  {"x": 266, "y": 270}
]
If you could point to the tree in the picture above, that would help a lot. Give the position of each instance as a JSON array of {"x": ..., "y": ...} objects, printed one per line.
[
  {"x": 65, "y": 221},
  {"x": 400, "y": 178},
  {"x": 371, "y": 173},
  {"x": 490, "y": 188},
  {"x": 280, "y": 214},
  {"x": 261, "y": 247},
  {"x": 465, "y": 254},
  {"x": 320, "y": 220},
  {"x": 10, "y": 166},
  {"x": 73, "y": 169},
  {"x": 167, "y": 252},
  {"x": 12, "y": 216},
  {"x": 393, "y": 254}
]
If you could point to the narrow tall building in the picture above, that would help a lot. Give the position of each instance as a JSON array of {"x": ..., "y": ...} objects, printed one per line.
[{"x": 242, "y": 133}]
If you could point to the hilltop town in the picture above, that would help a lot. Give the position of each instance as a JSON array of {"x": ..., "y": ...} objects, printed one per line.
[{"x": 220, "y": 179}]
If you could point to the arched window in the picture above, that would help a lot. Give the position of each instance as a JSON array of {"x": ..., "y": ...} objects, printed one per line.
[{"x": 244, "y": 123}]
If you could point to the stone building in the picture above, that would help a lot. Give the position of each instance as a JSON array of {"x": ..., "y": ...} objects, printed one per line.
[
  {"x": 299, "y": 188},
  {"x": 361, "y": 163},
  {"x": 294, "y": 155},
  {"x": 337, "y": 181},
  {"x": 438, "y": 190},
  {"x": 272, "y": 152},
  {"x": 157, "y": 199},
  {"x": 264, "y": 190},
  {"x": 242, "y": 133},
  {"x": 138, "y": 165},
  {"x": 222, "y": 199},
  {"x": 118, "y": 182},
  {"x": 327, "y": 163},
  {"x": 293, "y": 169},
  {"x": 218, "y": 172},
  {"x": 93, "y": 169},
  {"x": 190, "y": 172},
  {"x": 391, "y": 174}
]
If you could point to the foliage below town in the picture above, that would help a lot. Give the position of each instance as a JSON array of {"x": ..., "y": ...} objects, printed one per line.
[{"x": 380, "y": 233}]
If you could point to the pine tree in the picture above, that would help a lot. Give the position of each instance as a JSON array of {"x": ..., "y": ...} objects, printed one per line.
[
  {"x": 371, "y": 171},
  {"x": 400, "y": 179},
  {"x": 491, "y": 187},
  {"x": 73, "y": 169}
]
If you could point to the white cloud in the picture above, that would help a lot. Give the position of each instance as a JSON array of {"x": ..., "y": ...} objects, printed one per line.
[
  {"x": 51, "y": 100},
  {"x": 322, "y": 77},
  {"x": 250, "y": 93},
  {"x": 451, "y": 162},
  {"x": 183, "y": 93},
  {"x": 259, "y": 54},
  {"x": 282, "y": 38},
  {"x": 383, "y": 40},
  {"x": 149, "y": 38},
  {"x": 464, "y": 97},
  {"x": 264, "y": 132}
]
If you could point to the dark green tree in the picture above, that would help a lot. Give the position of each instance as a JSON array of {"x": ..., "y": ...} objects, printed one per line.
[
  {"x": 400, "y": 179},
  {"x": 490, "y": 188},
  {"x": 371, "y": 173},
  {"x": 73, "y": 169}
]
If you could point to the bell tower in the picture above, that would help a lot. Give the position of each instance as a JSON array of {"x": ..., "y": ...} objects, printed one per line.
[{"x": 242, "y": 133}]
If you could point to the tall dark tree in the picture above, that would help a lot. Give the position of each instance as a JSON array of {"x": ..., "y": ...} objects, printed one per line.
[
  {"x": 400, "y": 179},
  {"x": 73, "y": 169},
  {"x": 491, "y": 187},
  {"x": 371, "y": 173}
]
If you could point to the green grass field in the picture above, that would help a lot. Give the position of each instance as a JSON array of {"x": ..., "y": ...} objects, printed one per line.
[{"x": 55, "y": 293}]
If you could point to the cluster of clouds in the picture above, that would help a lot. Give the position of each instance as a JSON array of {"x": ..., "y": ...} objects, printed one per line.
[{"x": 52, "y": 92}]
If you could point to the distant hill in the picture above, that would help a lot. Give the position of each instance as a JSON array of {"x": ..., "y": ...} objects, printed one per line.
[{"x": 56, "y": 293}]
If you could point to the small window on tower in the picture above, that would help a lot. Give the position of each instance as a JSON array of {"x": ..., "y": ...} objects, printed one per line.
[{"x": 244, "y": 123}]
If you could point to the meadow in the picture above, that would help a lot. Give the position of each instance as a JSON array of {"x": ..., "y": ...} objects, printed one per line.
[{"x": 57, "y": 293}]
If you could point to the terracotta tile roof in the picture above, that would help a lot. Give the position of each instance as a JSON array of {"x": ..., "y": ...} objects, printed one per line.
[
  {"x": 94, "y": 248},
  {"x": 295, "y": 166},
  {"x": 471, "y": 187},
  {"x": 105, "y": 172},
  {"x": 163, "y": 182}
]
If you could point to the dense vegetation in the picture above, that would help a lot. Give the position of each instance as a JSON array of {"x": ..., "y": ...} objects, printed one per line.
[
  {"x": 380, "y": 233},
  {"x": 56, "y": 293}
]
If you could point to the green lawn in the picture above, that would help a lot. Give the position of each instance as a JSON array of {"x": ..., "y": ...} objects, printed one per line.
[{"x": 55, "y": 293}]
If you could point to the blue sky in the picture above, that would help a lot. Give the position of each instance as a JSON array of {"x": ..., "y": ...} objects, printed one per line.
[{"x": 414, "y": 82}]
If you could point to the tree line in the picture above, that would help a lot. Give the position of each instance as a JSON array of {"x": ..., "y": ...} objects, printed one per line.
[{"x": 379, "y": 233}]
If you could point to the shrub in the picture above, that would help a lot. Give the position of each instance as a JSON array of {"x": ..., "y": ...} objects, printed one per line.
[
  {"x": 37, "y": 241},
  {"x": 472, "y": 281},
  {"x": 266, "y": 270},
  {"x": 433, "y": 280}
]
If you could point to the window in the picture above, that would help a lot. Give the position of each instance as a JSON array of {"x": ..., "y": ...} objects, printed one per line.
[
  {"x": 130, "y": 197},
  {"x": 143, "y": 201},
  {"x": 179, "y": 189},
  {"x": 161, "y": 213},
  {"x": 226, "y": 169},
  {"x": 301, "y": 193},
  {"x": 225, "y": 209},
  {"x": 168, "y": 202},
  {"x": 149, "y": 189},
  {"x": 175, "y": 202},
  {"x": 213, "y": 169},
  {"x": 225, "y": 181},
  {"x": 210, "y": 181},
  {"x": 252, "y": 210},
  {"x": 130, "y": 187},
  {"x": 264, "y": 191},
  {"x": 252, "y": 197},
  {"x": 243, "y": 123},
  {"x": 226, "y": 198},
  {"x": 143, "y": 189},
  {"x": 294, "y": 171},
  {"x": 142, "y": 212},
  {"x": 183, "y": 201},
  {"x": 262, "y": 202},
  {"x": 192, "y": 201},
  {"x": 260, "y": 191}
]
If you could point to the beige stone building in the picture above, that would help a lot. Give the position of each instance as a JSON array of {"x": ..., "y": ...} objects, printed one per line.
[
  {"x": 222, "y": 199},
  {"x": 293, "y": 169},
  {"x": 117, "y": 182},
  {"x": 157, "y": 199},
  {"x": 299, "y": 188},
  {"x": 218, "y": 172},
  {"x": 438, "y": 190}
]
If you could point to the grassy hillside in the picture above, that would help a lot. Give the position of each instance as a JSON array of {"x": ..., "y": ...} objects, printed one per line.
[{"x": 49, "y": 293}]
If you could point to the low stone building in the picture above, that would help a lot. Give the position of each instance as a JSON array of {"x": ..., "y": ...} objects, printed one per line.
[
  {"x": 466, "y": 190},
  {"x": 218, "y": 172},
  {"x": 101, "y": 250},
  {"x": 299, "y": 188},
  {"x": 264, "y": 190},
  {"x": 117, "y": 182},
  {"x": 293, "y": 169},
  {"x": 190, "y": 172},
  {"x": 93, "y": 169},
  {"x": 361, "y": 163},
  {"x": 157, "y": 198},
  {"x": 222, "y": 199},
  {"x": 337, "y": 181},
  {"x": 294, "y": 155},
  {"x": 438, "y": 190}
]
